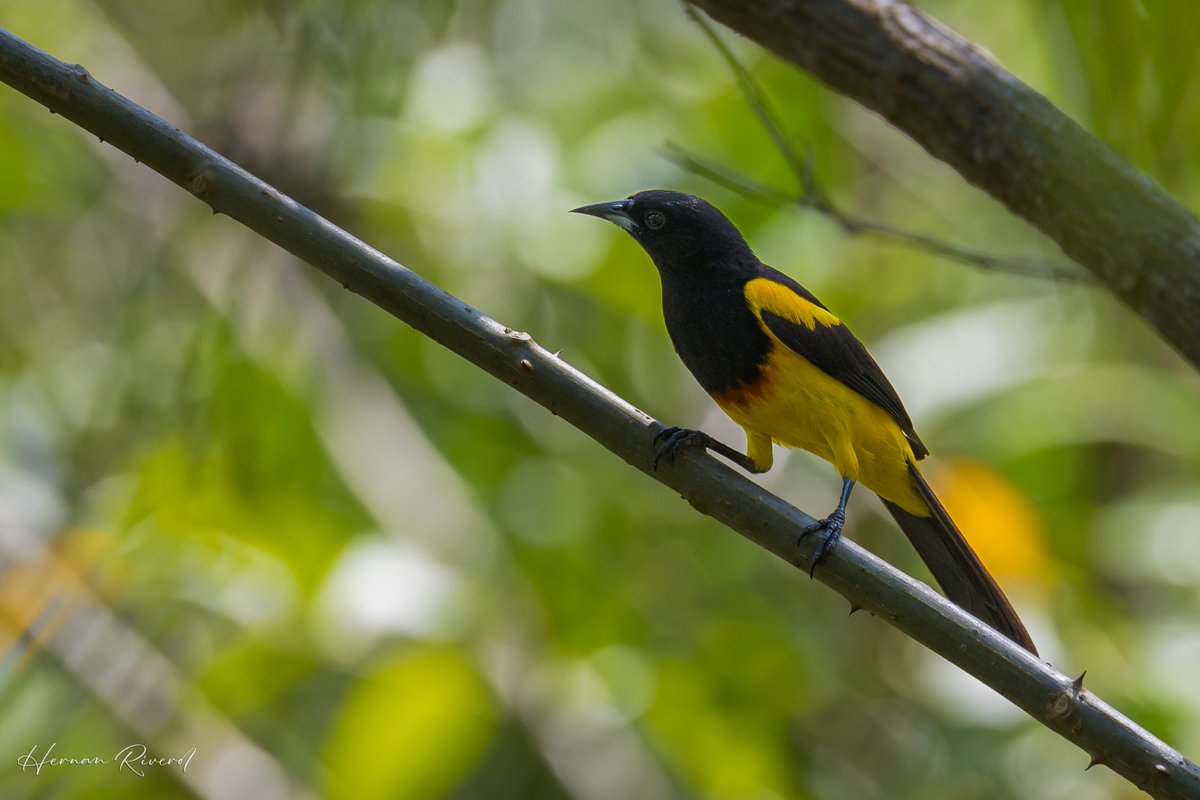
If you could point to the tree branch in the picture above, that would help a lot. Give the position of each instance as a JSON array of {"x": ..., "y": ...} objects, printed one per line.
[
  {"x": 1003, "y": 137},
  {"x": 513, "y": 357},
  {"x": 812, "y": 195}
]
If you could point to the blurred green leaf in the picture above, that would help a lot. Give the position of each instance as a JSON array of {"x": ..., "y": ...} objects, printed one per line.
[{"x": 411, "y": 727}]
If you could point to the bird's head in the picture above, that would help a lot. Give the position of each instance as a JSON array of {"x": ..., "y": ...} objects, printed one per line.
[{"x": 684, "y": 235}]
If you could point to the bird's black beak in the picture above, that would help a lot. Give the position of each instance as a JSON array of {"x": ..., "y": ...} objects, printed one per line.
[{"x": 616, "y": 212}]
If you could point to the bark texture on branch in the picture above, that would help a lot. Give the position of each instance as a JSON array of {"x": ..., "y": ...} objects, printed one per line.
[
  {"x": 1002, "y": 136},
  {"x": 1046, "y": 694}
]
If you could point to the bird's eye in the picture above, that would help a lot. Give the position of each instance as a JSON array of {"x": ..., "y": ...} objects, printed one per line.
[{"x": 655, "y": 220}]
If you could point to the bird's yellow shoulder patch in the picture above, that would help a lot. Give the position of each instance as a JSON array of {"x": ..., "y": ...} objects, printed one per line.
[{"x": 764, "y": 294}]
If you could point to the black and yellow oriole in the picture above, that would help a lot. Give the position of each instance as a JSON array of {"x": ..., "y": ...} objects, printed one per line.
[{"x": 789, "y": 372}]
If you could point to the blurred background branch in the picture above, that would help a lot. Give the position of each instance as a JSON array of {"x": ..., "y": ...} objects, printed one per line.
[
  {"x": 1002, "y": 136},
  {"x": 137, "y": 683},
  {"x": 513, "y": 357},
  {"x": 813, "y": 196}
]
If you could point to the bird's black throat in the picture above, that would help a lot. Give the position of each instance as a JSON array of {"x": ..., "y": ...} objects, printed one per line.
[{"x": 714, "y": 332}]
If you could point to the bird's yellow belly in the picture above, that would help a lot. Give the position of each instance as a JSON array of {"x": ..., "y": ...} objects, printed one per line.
[{"x": 798, "y": 405}]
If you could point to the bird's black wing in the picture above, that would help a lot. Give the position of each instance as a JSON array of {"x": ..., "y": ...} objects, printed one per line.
[{"x": 797, "y": 319}]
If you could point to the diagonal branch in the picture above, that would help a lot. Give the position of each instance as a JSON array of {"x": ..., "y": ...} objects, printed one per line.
[
  {"x": 513, "y": 357},
  {"x": 1002, "y": 136},
  {"x": 812, "y": 194}
]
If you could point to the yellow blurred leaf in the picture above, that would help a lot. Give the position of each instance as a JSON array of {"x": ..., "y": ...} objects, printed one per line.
[
  {"x": 1000, "y": 522},
  {"x": 412, "y": 728}
]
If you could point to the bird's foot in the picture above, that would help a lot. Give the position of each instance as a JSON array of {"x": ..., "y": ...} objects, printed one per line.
[
  {"x": 830, "y": 530},
  {"x": 671, "y": 441}
]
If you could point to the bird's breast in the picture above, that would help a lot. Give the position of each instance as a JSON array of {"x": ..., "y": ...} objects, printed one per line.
[{"x": 716, "y": 335}]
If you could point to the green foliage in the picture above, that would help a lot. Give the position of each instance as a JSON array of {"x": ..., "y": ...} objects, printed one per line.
[
  {"x": 311, "y": 536},
  {"x": 411, "y": 727}
]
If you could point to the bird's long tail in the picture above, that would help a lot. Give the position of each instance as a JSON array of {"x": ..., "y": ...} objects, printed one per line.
[{"x": 955, "y": 566}]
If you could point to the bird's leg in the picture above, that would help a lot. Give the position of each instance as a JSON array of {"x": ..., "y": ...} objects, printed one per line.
[
  {"x": 671, "y": 441},
  {"x": 830, "y": 528}
]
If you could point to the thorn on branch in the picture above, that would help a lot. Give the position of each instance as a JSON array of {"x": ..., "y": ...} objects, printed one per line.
[
  {"x": 813, "y": 196},
  {"x": 1093, "y": 760}
]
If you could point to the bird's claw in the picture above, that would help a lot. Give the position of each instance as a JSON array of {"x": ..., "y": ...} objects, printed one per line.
[
  {"x": 831, "y": 530},
  {"x": 670, "y": 441}
]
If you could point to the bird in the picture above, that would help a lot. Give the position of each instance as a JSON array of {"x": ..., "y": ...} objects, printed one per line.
[{"x": 790, "y": 372}]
